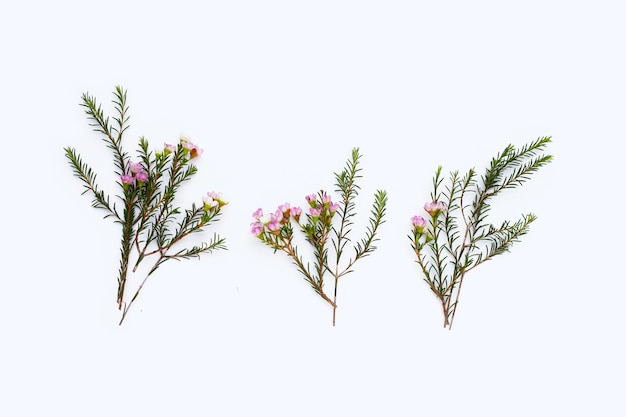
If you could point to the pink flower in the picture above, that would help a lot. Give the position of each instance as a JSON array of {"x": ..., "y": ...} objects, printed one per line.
[
  {"x": 127, "y": 179},
  {"x": 333, "y": 207},
  {"x": 190, "y": 148},
  {"x": 209, "y": 203},
  {"x": 326, "y": 199},
  {"x": 434, "y": 208},
  {"x": 135, "y": 168},
  {"x": 285, "y": 208},
  {"x": 141, "y": 176},
  {"x": 311, "y": 199},
  {"x": 315, "y": 211},
  {"x": 295, "y": 213},
  {"x": 257, "y": 214},
  {"x": 277, "y": 217},
  {"x": 256, "y": 228},
  {"x": 273, "y": 226},
  {"x": 212, "y": 200},
  {"x": 217, "y": 197},
  {"x": 418, "y": 223}
]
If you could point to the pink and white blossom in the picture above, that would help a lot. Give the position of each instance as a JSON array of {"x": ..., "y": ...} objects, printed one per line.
[
  {"x": 434, "y": 208},
  {"x": 135, "y": 167},
  {"x": 311, "y": 199}
]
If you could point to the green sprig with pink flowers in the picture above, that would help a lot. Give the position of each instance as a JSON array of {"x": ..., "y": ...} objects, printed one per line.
[
  {"x": 455, "y": 237},
  {"x": 326, "y": 226},
  {"x": 152, "y": 225}
]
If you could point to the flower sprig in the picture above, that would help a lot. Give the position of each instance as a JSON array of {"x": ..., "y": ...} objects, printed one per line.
[
  {"x": 326, "y": 226},
  {"x": 455, "y": 237},
  {"x": 151, "y": 223}
]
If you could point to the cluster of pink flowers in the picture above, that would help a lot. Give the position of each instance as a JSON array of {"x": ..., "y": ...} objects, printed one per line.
[
  {"x": 434, "y": 208},
  {"x": 190, "y": 149},
  {"x": 274, "y": 221},
  {"x": 324, "y": 206},
  {"x": 213, "y": 200},
  {"x": 137, "y": 172}
]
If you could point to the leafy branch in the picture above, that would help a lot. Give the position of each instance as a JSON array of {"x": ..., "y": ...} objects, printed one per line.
[
  {"x": 457, "y": 237},
  {"x": 326, "y": 225},
  {"x": 151, "y": 223}
]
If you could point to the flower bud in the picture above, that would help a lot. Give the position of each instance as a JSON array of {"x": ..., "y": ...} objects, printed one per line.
[
  {"x": 419, "y": 223},
  {"x": 127, "y": 180},
  {"x": 296, "y": 212},
  {"x": 141, "y": 177},
  {"x": 315, "y": 212},
  {"x": 311, "y": 199}
]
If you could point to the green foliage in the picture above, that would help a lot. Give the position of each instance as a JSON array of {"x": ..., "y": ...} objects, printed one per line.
[
  {"x": 457, "y": 237},
  {"x": 151, "y": 223},
  {"x": 327, "y": 225}
]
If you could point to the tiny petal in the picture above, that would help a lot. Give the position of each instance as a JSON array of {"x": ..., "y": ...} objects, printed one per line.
[
  {"x": 258, "y": 214},
  {"x": 333, "y": 207}
]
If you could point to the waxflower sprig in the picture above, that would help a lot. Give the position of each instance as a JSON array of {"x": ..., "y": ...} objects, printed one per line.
[
  {"x": 455, "y": 237},
  {"x": 152, "y": 225},
  {"x": 326, "y": 226}
]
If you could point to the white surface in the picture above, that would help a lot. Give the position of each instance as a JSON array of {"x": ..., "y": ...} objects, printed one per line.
[{"x": 278, "y": 93}]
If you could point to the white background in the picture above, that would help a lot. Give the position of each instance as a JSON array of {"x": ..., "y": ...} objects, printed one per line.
[{"x": 278, "y": 93}]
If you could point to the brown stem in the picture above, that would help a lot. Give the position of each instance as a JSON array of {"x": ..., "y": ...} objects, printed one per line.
[
  {"x": 288, "y": 249},
  {"x": 130, "y": 303},
  {"x": 335, "y": 300},
  {"x": 456, "y": 301},
  {"x": 127, "y": 233}
]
